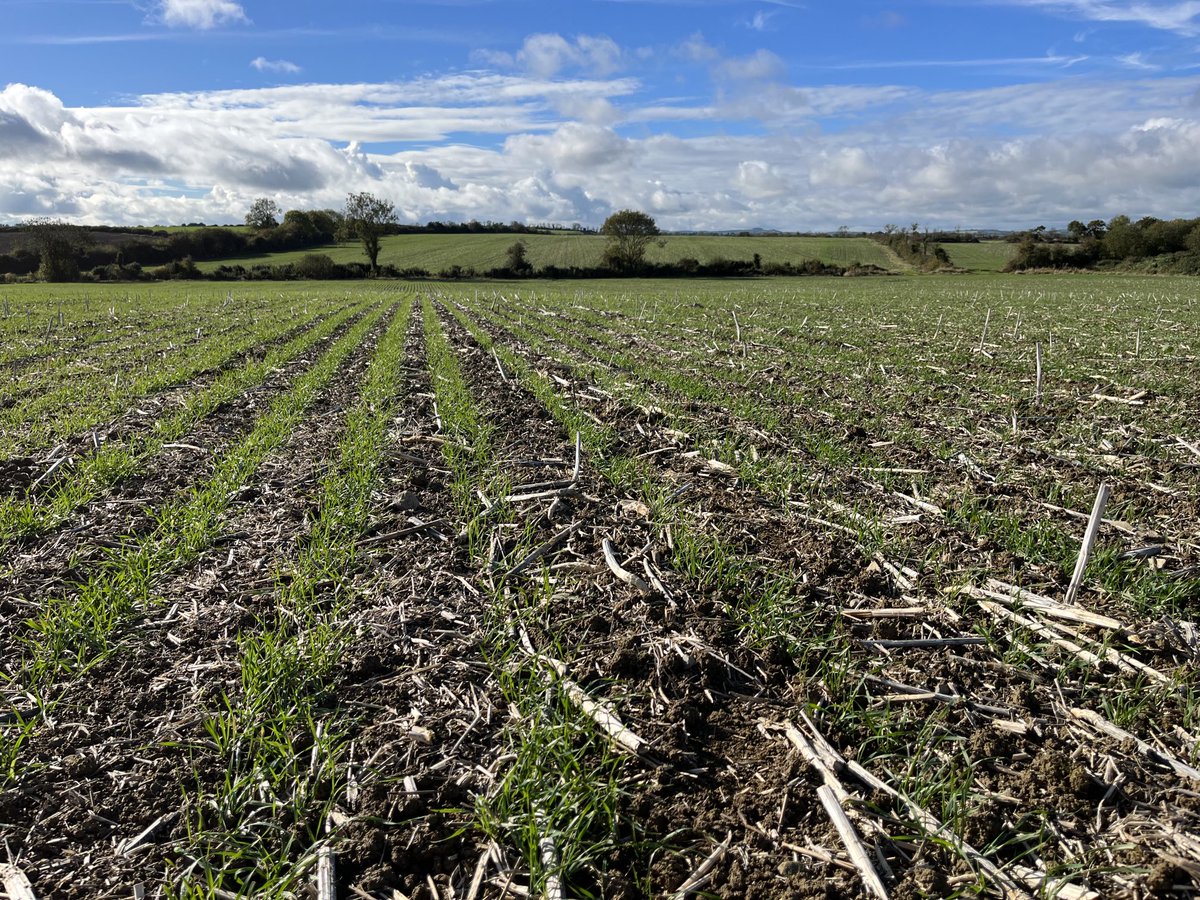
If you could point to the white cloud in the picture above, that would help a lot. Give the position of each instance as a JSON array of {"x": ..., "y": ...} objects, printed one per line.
[
  {"x": 428, "y": 177},
  {"x": 485, "y": 145},
  {"x": 845, "y": 167},
  {"x": 593, "y": 110},
  {"x": 546, "y": 55},
  {"x": 573, "y": 149},
  {"x": 274, "y": 65},
  {"x": 761, "y": 20},
  {"x": 762, "y": 65},
  {"x": 1137, "y": 61},
  {"x": 697, "y": 49},
  {"x": 202, "y": 14},
  {"x": 1167, "y": 16},
  {"x": 759, "y": 179}
]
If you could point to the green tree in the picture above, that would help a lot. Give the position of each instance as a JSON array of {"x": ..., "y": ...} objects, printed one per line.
[
  {"x": 629, "y": 235},
  {"x": 1124, "y": 239},
  {"x": 517, "y": 259},
  {"x": 1193, "y": 239},
  {"x": 264, "y": 213},
  {"x": 58, "y": 245},
  {"x": 366, "y": 219}
]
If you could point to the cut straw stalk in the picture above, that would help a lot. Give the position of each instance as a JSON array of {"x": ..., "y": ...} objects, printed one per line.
[{"x": 1089, "y": 541}]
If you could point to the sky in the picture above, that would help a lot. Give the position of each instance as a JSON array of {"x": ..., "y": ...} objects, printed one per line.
[{"x": 706, "y": 114}]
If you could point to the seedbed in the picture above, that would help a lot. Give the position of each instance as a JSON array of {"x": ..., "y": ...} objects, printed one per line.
[{"x": 623, "y": 592}]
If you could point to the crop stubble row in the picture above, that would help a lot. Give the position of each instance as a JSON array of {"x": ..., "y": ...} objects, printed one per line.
[
  {"x": 983, "y": 682},
  {"x": 687, "y": 675}
]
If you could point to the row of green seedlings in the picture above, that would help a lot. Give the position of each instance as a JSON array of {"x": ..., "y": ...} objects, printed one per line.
[
  {"x": 1144, "y": 593},
  {"x": 940, "y": 778},
  {"x": 102, "y": 358},
  {"x": 47, "y": 415},
  {"x": 103, "y": 344},
  {"x": 818, "y": 372},
  {"x": 1129, "y": 703},
  {"x": 765, "y": 605},
  {"x": 282, "y": 739},
  {"x": 824, "y": 651},
  {"x": 556, "y": 804},
  {"x": 1024, "y": 541},
  {"x": 27, "y": 335},
  {"x": 75, "y": 629},
  {"x": 887, "y": 375},
  {"x": 1041, "y": 543},
  {"x": 93, "y": 475},
  {"x": 75, "y": 390},
  {"x": 869, "y": 374}
]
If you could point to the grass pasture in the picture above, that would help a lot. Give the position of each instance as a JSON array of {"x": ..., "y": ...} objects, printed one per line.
[
  {"x": 601, "y": 589},
  {"x": 436, "y": 252}
]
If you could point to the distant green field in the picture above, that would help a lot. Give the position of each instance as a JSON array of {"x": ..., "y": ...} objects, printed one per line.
[
  {"x": 175, "y": 229},
  {"x": 986, "y": 256},
  {"x": 435, "y": 252}
]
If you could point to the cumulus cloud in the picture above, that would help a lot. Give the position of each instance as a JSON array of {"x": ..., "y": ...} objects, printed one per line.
[
  {"x": 573, "y": 148},
  {"x": 1022, "y": 154},
  {"x": 360, "y": 162},
  {"x": 843, "y": 167},
  {"x": 428, "y": 177},
  {"x": 274, "y": 65},
  {"x": 201, "y": 14},
  {"x": 546, "y": 55},
  {"x": 759, "y": 179}
]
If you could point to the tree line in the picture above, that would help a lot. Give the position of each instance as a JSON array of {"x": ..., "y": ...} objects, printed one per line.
[
  {"x": 53, "y": 250},
  {"x": 1173, "y": 245},
  {"x": 56, "y": 251}
]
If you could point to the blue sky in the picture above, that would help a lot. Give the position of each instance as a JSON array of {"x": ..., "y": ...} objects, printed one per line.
[{"x": 705, "y": 113}]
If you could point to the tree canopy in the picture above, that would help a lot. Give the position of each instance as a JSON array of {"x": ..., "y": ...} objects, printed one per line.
[
  {"x": 264, "y": 213},
  {"x": 629, "y": 233},
  {"x": 58, "y": 244},
  {"x": 367, "y": 217}
]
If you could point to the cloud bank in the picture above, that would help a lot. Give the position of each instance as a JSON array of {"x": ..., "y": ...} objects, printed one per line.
[{"x": 562, "y": 131}]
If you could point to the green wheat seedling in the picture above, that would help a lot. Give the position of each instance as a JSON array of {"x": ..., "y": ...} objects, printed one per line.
[
  {"x": 282, "y": 736},
  {"x": 557, "y": 803},
  {"x": 73, "y": 395},
  {"x": 77, "y": 627},
  {"x": 96, "y": 473}
]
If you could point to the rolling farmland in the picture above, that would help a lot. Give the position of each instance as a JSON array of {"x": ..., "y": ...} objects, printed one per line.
[
  {"x": 618, "y": 589},
  {"x": 435, "y": 252}
]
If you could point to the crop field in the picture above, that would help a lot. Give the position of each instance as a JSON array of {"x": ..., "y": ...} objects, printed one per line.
[
  {"x": 985, "y": 256},
  {"x": 435, "y": 252},
  {"x": 624, "y": 589}
]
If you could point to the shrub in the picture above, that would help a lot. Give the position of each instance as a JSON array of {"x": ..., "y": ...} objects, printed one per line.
[{"x": 316, "y": 265}]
